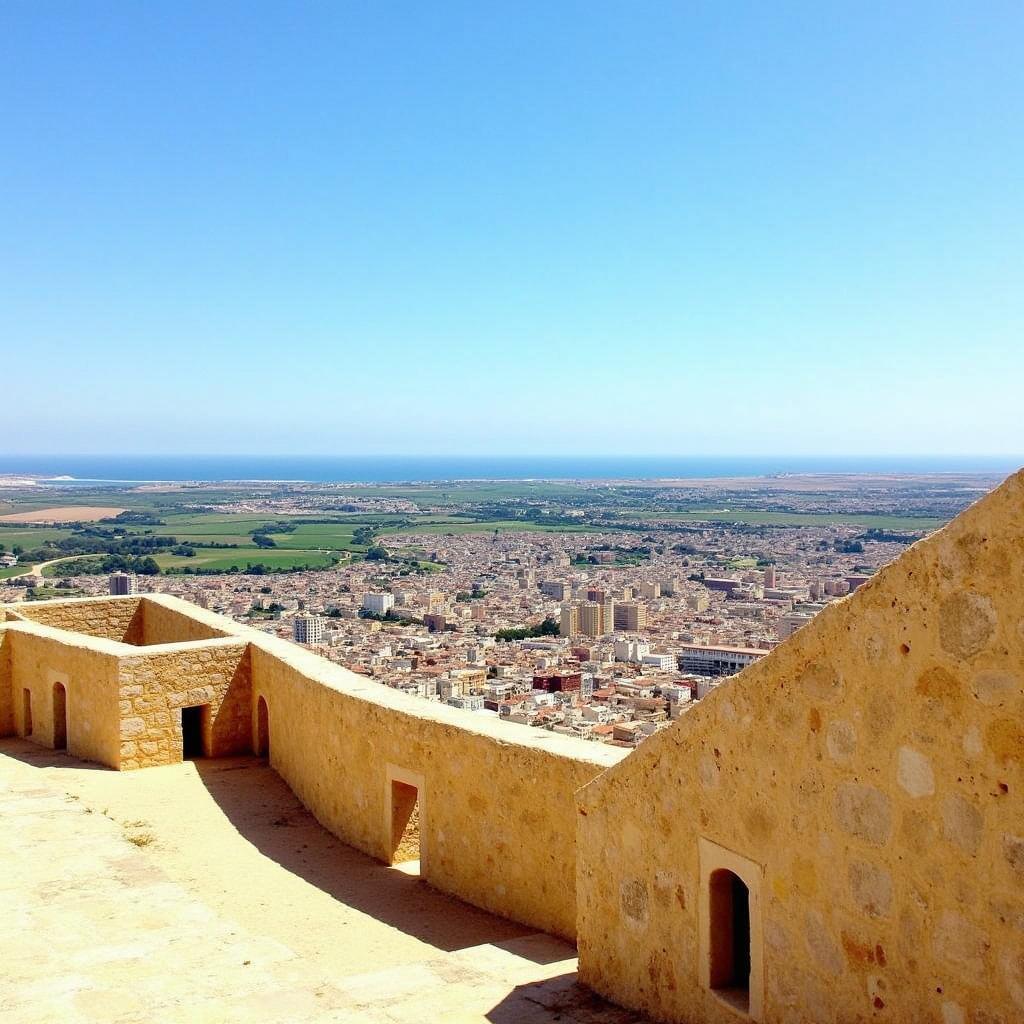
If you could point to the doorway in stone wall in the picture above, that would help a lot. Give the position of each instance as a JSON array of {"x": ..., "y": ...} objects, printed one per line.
[
  {"x": 193, "y": 731},
  {"x": 262, "y": 729},
  {"x": 404, "y": 806},
  {"x": 26, "y": 712},
  {"x": 60, "y": 717}
]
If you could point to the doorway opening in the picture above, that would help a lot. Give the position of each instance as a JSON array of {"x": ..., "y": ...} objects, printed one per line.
[
  {"x": 60, "y": 717},
  {"x": 26, "y": 712},
  {"x": 729, "y": 914},
  {"x": 193, "y": 730},
  {"x": 405, "y": 827},
  {"x": 262, "y": 729}
]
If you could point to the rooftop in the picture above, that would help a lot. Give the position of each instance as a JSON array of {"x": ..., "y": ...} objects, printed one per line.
[{"x": 204, "y": 891}]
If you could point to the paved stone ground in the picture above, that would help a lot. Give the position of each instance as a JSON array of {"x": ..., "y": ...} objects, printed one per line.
[{"x": 205, "y": 893}]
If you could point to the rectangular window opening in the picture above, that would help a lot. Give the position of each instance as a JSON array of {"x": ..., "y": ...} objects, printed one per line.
[
  {"x": 405, "y": 827},
  {"x": 26, "y": 712}
]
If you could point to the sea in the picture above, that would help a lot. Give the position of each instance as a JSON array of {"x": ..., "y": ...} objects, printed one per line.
[{"x": 69, "y": 470}]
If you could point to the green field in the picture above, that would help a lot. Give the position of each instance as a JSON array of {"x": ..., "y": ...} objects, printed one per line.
[
  {"x": 30, "y": 538},
  {"x": 272, "y": 558},
  {"x": 906, "y": 524},
  {"x": 457, "y": 526}
]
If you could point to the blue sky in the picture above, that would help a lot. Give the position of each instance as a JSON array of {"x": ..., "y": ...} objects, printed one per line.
[{"x": 693, "y": 228}]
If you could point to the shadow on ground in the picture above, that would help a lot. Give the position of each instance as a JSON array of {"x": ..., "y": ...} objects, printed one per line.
[
  {"x": 43, "y": 757},
  {"x": 267, "y": 814},
  {"x": 559, "y": 999}
]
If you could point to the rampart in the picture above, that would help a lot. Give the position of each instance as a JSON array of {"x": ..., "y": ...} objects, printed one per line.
[
  {"x": 497, "y": 811},
  {"x": 835, "y": 835}
]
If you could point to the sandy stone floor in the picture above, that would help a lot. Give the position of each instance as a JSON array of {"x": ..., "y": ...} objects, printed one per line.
[{"x": 204, "y": 892}]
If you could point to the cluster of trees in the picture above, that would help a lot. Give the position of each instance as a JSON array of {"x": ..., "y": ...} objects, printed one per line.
[
  {"x": 549, "y": 627},
  {"x": 876, "y": 534},
  {"x": 134, "y": 519},
  {"x": 364, "y": 535},
  {"x": 143, "y": 565}
]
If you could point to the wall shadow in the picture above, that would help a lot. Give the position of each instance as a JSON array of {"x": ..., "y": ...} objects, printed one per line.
[
  {"x": 266, "y": 813},
  {"x": 560, "y": 999},
  {"x": 31, "y": 753}
]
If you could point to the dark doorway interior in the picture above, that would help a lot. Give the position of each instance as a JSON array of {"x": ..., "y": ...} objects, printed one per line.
[
  {"x": 730, "y": 937},
  {"x": 60, "y": 717},
  {"x": 192, "y": 732},
  {"x": 262, "y": 729},
  {"x": 26, "y": 711}
]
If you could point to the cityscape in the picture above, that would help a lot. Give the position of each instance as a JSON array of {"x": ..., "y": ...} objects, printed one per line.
[{"x": 605, "y": 635}]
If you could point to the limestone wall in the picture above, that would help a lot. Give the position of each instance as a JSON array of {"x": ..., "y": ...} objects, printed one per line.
[
  {"x": 872, "y": 767},
  {"x": 112, "y": 618},
  {"x": 6, "y": 685},
  {"x": 497, "y": 806},
  {"x": 40, "y": 658},
  {"x": 164, "y": 624},
  {"x": 154, "y": 684}
]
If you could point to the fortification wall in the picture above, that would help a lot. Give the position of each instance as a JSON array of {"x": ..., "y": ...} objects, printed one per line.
[
  {"x": 154, "y": 684},
  {"x": 6, "y": 685},
  {"x": 870, "y": 772},
  {"x": 497, "y": 814},
  {"x": 118, "y": 619},
  {"x": 40, "y": 659},
  {"x": 163, "y": 624}
]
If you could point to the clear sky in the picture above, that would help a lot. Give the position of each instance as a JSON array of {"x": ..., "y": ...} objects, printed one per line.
[{"x": 679, "y": 227}]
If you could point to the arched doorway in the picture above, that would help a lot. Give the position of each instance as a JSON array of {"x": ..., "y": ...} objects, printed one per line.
[
  {"x": 262, "y": 729},
  {"x": 60, "y": 717},
  {"x": 730, "y": 938}
]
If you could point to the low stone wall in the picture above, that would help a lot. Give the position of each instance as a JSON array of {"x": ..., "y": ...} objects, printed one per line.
[
  {"x": 496, "y": 802},
  {"x": 162, "y": 624},
  {"x": 119, "y": 618},
  {"x": 154, "y": 684},
  {"x": 40, "y": 658}
]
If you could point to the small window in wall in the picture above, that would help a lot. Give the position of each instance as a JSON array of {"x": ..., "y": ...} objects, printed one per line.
[
  {"x": 60, "y": 717},
  {"x": 731, "y": 941},
  {"x": 193, "y": 721},
  {"x": 404, "y": 813},
  {"x": 26, "y": 712}
]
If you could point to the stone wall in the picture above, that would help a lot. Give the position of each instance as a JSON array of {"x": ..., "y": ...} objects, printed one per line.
[
  {"x": 154, "y": 685},
  {"x": 112, "y": 618},
  {"x": 6, "y": 685},
  {"x": 872, "y": 769},
  {"x": 86, "y": 667},
  {"x": 163, "y": 624},
  {"x": 497, "y": 807}
]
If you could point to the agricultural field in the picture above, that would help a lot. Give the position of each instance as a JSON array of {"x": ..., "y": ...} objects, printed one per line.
[
  {"x": 272, "y": 558},
  {"x": 457, "y": 526},
  {"x": 904, "y": 524},
  {"x": 29, "y": 538}
]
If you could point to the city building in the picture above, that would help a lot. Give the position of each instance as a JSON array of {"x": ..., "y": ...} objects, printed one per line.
[
  {"x": 121, "y": 584},
  {"x": 378, "y": 603},
  {"x": 308, "y": 629},
  {"x": 630, "y": 616},
  {"x": 717, "y": 661}
]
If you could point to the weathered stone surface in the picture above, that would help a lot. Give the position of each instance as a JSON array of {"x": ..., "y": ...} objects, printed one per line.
[
  {"x": 962, "y": 823},
  {"x": 966, "y": 623},
  {"x": 914, "y": 773},
  {"x": 871, "y": 887},
  {"x": 864, "y": 811}
]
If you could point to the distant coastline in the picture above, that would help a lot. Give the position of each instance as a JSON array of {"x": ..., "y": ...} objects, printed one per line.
[{"x": 70, "y": 470}]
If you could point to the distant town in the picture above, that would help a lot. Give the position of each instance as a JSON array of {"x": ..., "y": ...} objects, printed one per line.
[{"x": 601, "y": 611}]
